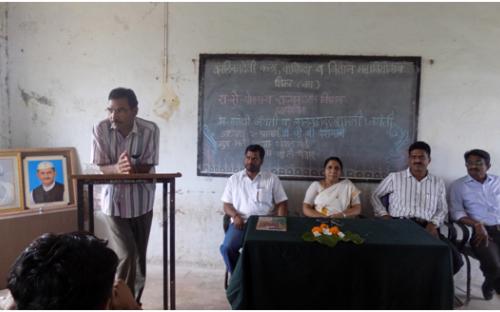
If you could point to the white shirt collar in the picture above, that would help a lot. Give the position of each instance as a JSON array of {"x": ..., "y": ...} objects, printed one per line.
[
  {"x": 256, "y": 176},
  {"x": 48, "y": 188},
  {"x": 410, "y": 175},
  {"x": 471, "y": 179}
]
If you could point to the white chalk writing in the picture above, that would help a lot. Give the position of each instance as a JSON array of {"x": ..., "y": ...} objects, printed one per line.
[
  {"x": 308, "y": 84},
  {"x": 279, "y": 82},
  {"x": 340, "y": 68},
  {"x": 232, "y": 133},
  {"x": 332, "y": 133},
  {"x": 239, "y": 121},
  {"x": 232, "y": 98},
  {"x": 297, "y": 68},
  {"x": 290, "y": 110},
  {"x": 272, "y": 122},
  {"x": 380, "y": 121},
  {"x": 328, "y": 99},
  {"x": 296, "y": 99},
  {"x": 235, "y": 67},
  {"x": 381, "y": 68},
  {"x": 269, "y": 68},
  {"x": 258, "y": 99}
]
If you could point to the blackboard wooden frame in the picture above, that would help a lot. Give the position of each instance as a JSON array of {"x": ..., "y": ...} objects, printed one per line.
[{"x": 289, "y": 58}]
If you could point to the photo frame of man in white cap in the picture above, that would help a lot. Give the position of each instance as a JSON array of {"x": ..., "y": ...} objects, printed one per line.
[{"x": 50, "y": 190}]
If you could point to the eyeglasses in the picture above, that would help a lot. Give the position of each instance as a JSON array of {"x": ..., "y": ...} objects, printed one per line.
[
  {"x": 116, "y": 111},
  {"x": 477, "y": 163}
]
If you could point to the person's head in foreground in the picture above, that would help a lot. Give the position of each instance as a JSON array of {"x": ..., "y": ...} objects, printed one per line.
[{"x": 63, "y": 272}]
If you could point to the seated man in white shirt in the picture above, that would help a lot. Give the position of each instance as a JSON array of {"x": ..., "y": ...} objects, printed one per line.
[
  {"x": 417, "y": 195},
  {"x": 249, "y": 192}
]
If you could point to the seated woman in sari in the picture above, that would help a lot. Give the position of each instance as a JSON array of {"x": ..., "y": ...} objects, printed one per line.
[{"x": 332, "y": 197}]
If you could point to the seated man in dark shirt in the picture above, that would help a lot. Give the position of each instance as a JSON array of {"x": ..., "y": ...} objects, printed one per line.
[{"x": 49, "y": 190}]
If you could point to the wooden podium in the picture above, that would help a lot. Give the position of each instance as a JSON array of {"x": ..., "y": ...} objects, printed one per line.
[{"x": 168, "y": 181}]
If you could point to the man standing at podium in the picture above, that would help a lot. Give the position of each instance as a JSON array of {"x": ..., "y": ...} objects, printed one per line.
[{"x": 123, "y": 144}]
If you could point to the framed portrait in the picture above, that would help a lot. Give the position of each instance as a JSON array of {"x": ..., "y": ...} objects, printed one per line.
[
  {"x": 11, "y": 198},
  {"x": 46, "y": 181}
]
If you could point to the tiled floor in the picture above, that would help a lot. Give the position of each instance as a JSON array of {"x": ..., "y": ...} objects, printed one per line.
[
  {"x": 196, "y": 289},
  {"x": 204, "y": 289},
  {"x": 477, "y": 302},
  {"x": 200, "y": 289}
]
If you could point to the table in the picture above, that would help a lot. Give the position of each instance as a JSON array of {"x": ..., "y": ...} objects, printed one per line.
[
  {"x": 399, "y": 266},
  {"x": 168, "y": 181}
]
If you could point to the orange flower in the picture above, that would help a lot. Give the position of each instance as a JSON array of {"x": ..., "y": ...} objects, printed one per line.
[
  {"x": 316, "y": 229},
  {"x": 323, "y": 226},
  {"x": 334, "y": 230}
]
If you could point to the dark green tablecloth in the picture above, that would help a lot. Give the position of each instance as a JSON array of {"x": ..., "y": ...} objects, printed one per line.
[{"x": 400, "y": 266}]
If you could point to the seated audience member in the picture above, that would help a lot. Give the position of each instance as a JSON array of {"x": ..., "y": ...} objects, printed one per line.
[
  {"x": 249, "y": 192},
  {"x": 475, "y": 200},
  {"x": 332, "y": 197},
  {"x": 67, "y": 272},
  {"x": 417, "y": 195}
]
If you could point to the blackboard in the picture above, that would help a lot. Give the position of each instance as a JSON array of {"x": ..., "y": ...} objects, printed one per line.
[{"x": 305, "y": 108}]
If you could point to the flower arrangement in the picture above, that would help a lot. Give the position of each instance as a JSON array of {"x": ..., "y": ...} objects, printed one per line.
[{"x": 330, "y": 236}]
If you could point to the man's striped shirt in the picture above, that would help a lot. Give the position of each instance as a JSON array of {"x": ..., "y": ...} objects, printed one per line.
[
  {"x": 142, "y": 145},
  {"x": 410, "y": 198}
]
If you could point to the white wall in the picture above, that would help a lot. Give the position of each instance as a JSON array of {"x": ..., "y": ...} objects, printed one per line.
[
  {"x": 64, "y": 59},
  {"x": 5, "y": 136}
]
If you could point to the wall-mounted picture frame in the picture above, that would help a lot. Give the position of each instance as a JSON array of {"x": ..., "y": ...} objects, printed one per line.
[
  {"x": 11, "y": 195},
  {"x": 46, "y": 181}
]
